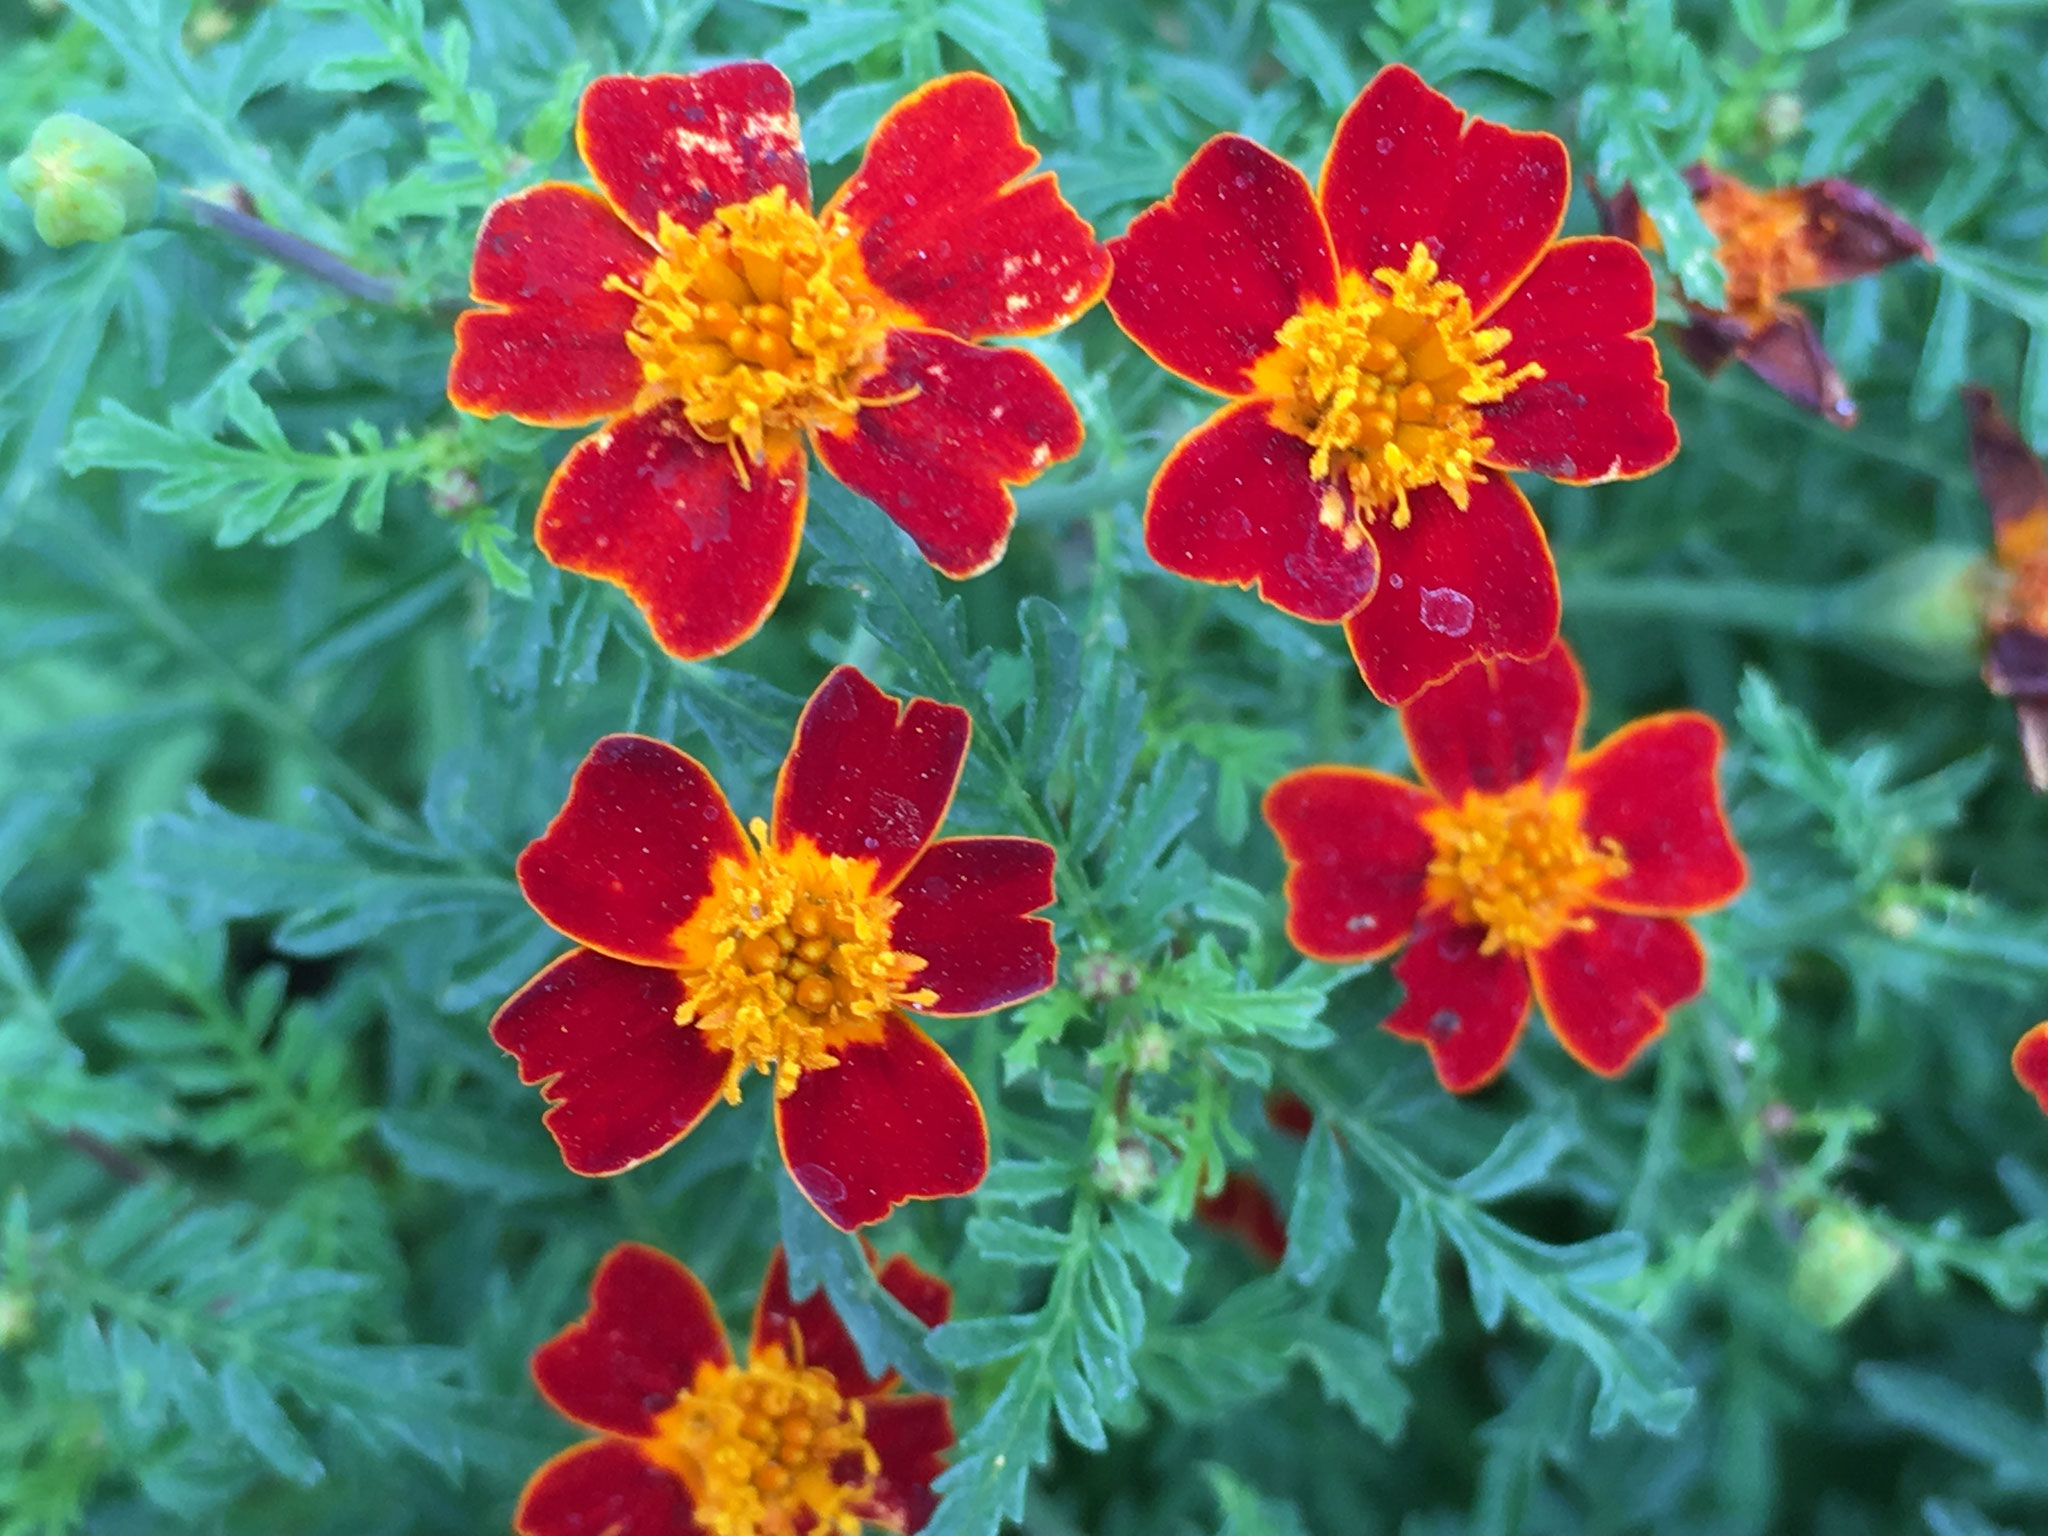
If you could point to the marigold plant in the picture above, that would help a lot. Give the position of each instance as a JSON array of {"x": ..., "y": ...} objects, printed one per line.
[{"x": 642, "y": 894}]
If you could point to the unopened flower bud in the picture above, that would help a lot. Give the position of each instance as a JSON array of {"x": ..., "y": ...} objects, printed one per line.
[
  {"x": 1126, "y": 1172},
  {"x": 84, "y": 182},
  {"x": 1843, "y": 1261},
  {"x": 17, "y": 1317},
  {"x": 1151, "y": 1049},
  {"x": 1102, "y": 975}
]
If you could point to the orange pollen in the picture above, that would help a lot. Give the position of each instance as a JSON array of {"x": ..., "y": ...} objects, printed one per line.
[
  {"x": 789, "y": 957},
  {"x": 1384, "y": 385},
  {"x": 1517, "y": 864},
  {"x": 771, "y": 1449},
  {"x": 760, "y": 323},
  {"x": 2023, "y": 557}
]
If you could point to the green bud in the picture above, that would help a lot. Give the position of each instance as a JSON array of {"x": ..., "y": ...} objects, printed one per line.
[
  {"x": 17, "y": 1317},
  {"x": 1843, "y": 1261},
  {"x": 84, "y": 182},
  {"x": 1922, "y": 614}
]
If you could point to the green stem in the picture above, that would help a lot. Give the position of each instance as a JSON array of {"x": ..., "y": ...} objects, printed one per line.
[{"x": 1785, "y": 612}]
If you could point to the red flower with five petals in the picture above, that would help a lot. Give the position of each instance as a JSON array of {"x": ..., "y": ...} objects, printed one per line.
[
  {"x": 1518, "y": 859},
  {"x": 697, "y": 307},
  {"x": 2030, "y": 1063},
  {"x": 799, "y": 1438},
  {"x": 798, "y": 953},
  {"x": 1390, "y": 342}
]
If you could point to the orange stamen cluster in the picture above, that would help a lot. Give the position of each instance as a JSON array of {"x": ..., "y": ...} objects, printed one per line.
[
  {"x": 1517, "y": 864},
  {"x": 764, "y": 1449},
  {"x": 790, "y": 957},
  {"x": 1766, "y": 248},
  {"x": 760, "y": 323},
  {"x": 1384, "y": 385}
]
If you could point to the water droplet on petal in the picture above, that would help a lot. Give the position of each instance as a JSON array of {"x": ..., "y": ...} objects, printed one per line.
[{"x": 1446, "y": 611}]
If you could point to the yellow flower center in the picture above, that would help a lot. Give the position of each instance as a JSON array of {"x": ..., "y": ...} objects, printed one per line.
[
  {"x": 760, "y": 323},
  {"x": 789, "y": 957},
  {"x": 768, "y": 1449},
  {"x": 1384, "y": 384},
  {"x": 1517, "y": 864}
]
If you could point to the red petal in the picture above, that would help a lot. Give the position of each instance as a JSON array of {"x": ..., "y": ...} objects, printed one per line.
[
  {"x": 1496, "y": 724},
  {"x": 895, "y": 1120},
  {"x": 1235, "y": 504},
  {"x": 557, "y": 355},
  {"x": 927, "y": 1298},
  {"x": 650, "y": 506},
  {"x": 964, "y": 910},
  {"x": 605, "y": 1488},
  {"x": 1453, "y": 586},
  {"x": 1605, "y": 989},
  {"x": 1600, "y": 412},
  {"x": 650, "y": 1325},
  {"x": 630, "y": 854},
  {"x": 1206, "y": 278},
  {"x": 911, "y": 1436},
  {"x": 688, "y": 145},
  {"x": 1407, "y": 167},
  {"x": 543, "y": 367},
  {"x": 952, "y": 231},
  {"x": 869, "y": 776},
  {"x": 2030, "y": 1063},
  {"x": 1356, "y": 856},
  {"x": 1652, "y": 788},
  {"x": 1286, "y": 1111},
  {"x": 1468, "y": 1008},
  {"x": 600, "y": 1037},
  {"x": 979, "y": 421},
  {"x": 1244, "y": 1208}
]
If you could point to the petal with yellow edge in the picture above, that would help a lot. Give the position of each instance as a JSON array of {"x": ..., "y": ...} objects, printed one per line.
[
  {"x": 869, "y": 777},
  {"x": 651, "y": 1324},
  {"x": 965, "y": 910},
  {"x": 1455, "y": 584},
  {"x": 600, "y": 1038},
  {"x": 1599, "y": 409},
  {"x": 633, "y": 851},
  {"x": 1407, "y": 167},
  {"x": 700, "y": 538},
  {"x": 955, "y": 427},
  {"x": 953, "y": 229},
  {"x": 2030, "y": 1063},
  {"x": 1652, "y": 792},
  {"x": 895, "y": 1120},
  {"x": 1356, "y": 855},
  {"x": 1235, "y": 503},
  {"x": 605, "y": 1486},
  {"x": 1466, "y": 1006},
  {"x": 552, "y": 351},
  {"x": 685, "y": 146},
  {"x": 1205, "y": 279},
  {"x": 1606, "y": 987},
  {"x": 1496, "y": 724}
]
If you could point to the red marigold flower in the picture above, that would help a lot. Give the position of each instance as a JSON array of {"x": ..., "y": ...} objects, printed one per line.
[
  {"x": 1390, "y": 343},
  {"x": 2030, "y": 1063},
  {"x": 697, "y": 307},
  {"x": 798, "y": 953},
  {"x": 1785, "y": 240},
  {"x": 2015, "y": 487},
  {"x": 1518, "y": 859},
  {"x": 693, "y": 1443}
]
